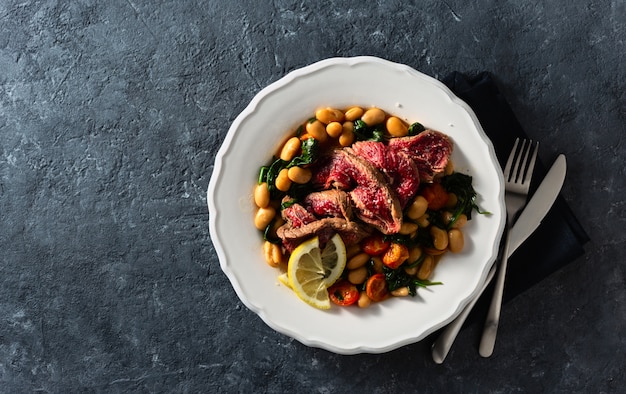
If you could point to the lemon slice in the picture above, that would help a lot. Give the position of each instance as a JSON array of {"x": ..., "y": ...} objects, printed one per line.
[
  {"x": 284, "y": 279},
  {"x": 333, "y": 260},
  {"x": 312, "y": 271}
]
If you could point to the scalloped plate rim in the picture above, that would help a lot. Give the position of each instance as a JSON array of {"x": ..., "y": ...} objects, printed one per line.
[{"x": 275, "y": 87}]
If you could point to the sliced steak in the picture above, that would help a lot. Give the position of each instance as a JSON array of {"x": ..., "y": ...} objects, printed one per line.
[
  {"x": 429, "y": 149},
  {"x": 374, "y": 201},
  {"x": 296, "y": 215},
  {"x": 406, "y": 176},
  {"x": 351, "y": 232},
  {"x": 329, "y": 203},
  {"x": 377, "y": 207},
  {"x": 330, "y": 171},
  {"x": 400, "y": 171}
]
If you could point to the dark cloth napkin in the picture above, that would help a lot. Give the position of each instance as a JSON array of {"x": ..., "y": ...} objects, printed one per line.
[{"x": 560, "y": 238}]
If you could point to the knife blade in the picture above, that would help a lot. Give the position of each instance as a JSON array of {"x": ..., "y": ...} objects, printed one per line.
[
  {"x": 528, "y": 221},
  {"x": 539, "y": 204}
]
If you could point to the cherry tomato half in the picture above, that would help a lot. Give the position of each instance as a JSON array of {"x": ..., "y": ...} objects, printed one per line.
[
  {"x": 436, "y": 195},
  {"x": 374, "y": 245},
  {"x": 343, "y": 293},
  {"x": 395, "y": 255},
  {"x": 305, "y": 136},
  {"x": 376, "y": 287}
]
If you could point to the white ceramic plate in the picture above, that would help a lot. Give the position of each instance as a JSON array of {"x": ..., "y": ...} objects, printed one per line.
[{"x": 256, "y": 135}]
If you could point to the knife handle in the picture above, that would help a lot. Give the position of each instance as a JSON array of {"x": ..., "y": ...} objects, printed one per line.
[
  {"x": 490, "y": 331},
  {"x": 442, "y": 345}
]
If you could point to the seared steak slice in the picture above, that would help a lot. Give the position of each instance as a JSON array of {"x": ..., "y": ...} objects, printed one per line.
[
  {"x": 328, "y": 203},
  {"x": 405, "y": 174},
  {"x": 400, "y": 171},
  {"x": 429, "y": 149},
  {"x": 374, "y": 201},
  {"x": 377, "y": 207},
  {"x": 296, "y": 215},
  {"x": 351, "y": 232},
  {"x": 330, "y": 171}
]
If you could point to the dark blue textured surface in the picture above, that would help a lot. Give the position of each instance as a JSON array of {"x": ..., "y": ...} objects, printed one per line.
[{"x": 111, "y": 114}]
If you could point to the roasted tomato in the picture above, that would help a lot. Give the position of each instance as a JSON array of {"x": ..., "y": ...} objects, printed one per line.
[
  {"x": 395, "y": 255},
  {"x": 343, "y": 293},
  {"x": 376, "y": 287},
  {"x": 436, "y": 195},
  {"x": 374, "y": 245},
  {"x": 305, "y": 136}
]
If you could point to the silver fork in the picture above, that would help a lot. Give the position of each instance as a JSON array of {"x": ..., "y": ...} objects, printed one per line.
[
  {"x": 443, "y": 343},
  {"x": 517, "y": 175}
]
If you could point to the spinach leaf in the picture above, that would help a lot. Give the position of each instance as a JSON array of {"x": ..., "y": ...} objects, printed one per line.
[
  {"x": 416, "y": 128},
  {"x": 397, "y": 278},
  {"x": 310, "y": 151},
  {"x": 461, "y": 185},
  {"x": 435, "y": 218},
  {"x": 286, "y": 204},
  {"x": 378, "y": 135},
  {"x": 422, "y": 239},
  {"x": 363, "y": 132},
  {"x": 299, "y": 191},
  {"x": 299, "y": 131},
  {"x": 268, "y": 236},
  {"x": 269, "y": 174}
]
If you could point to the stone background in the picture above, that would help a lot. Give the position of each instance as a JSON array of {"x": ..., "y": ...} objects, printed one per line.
[{"x": 111, "y": 113}]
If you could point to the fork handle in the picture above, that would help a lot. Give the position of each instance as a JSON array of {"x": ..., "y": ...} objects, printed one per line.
[{"x": 490, "y": 331}]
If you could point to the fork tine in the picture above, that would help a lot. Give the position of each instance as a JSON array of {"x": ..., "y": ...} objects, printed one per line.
[
  {"x": 531, "y": 166},
  {"x": 520, "y": 162},
  {"x": 509, "y": 162}
]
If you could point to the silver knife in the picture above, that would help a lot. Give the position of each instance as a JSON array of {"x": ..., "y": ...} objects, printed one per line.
[
  {"x": 539, "y": 204},
  {"x": 528, "y": 221}
]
